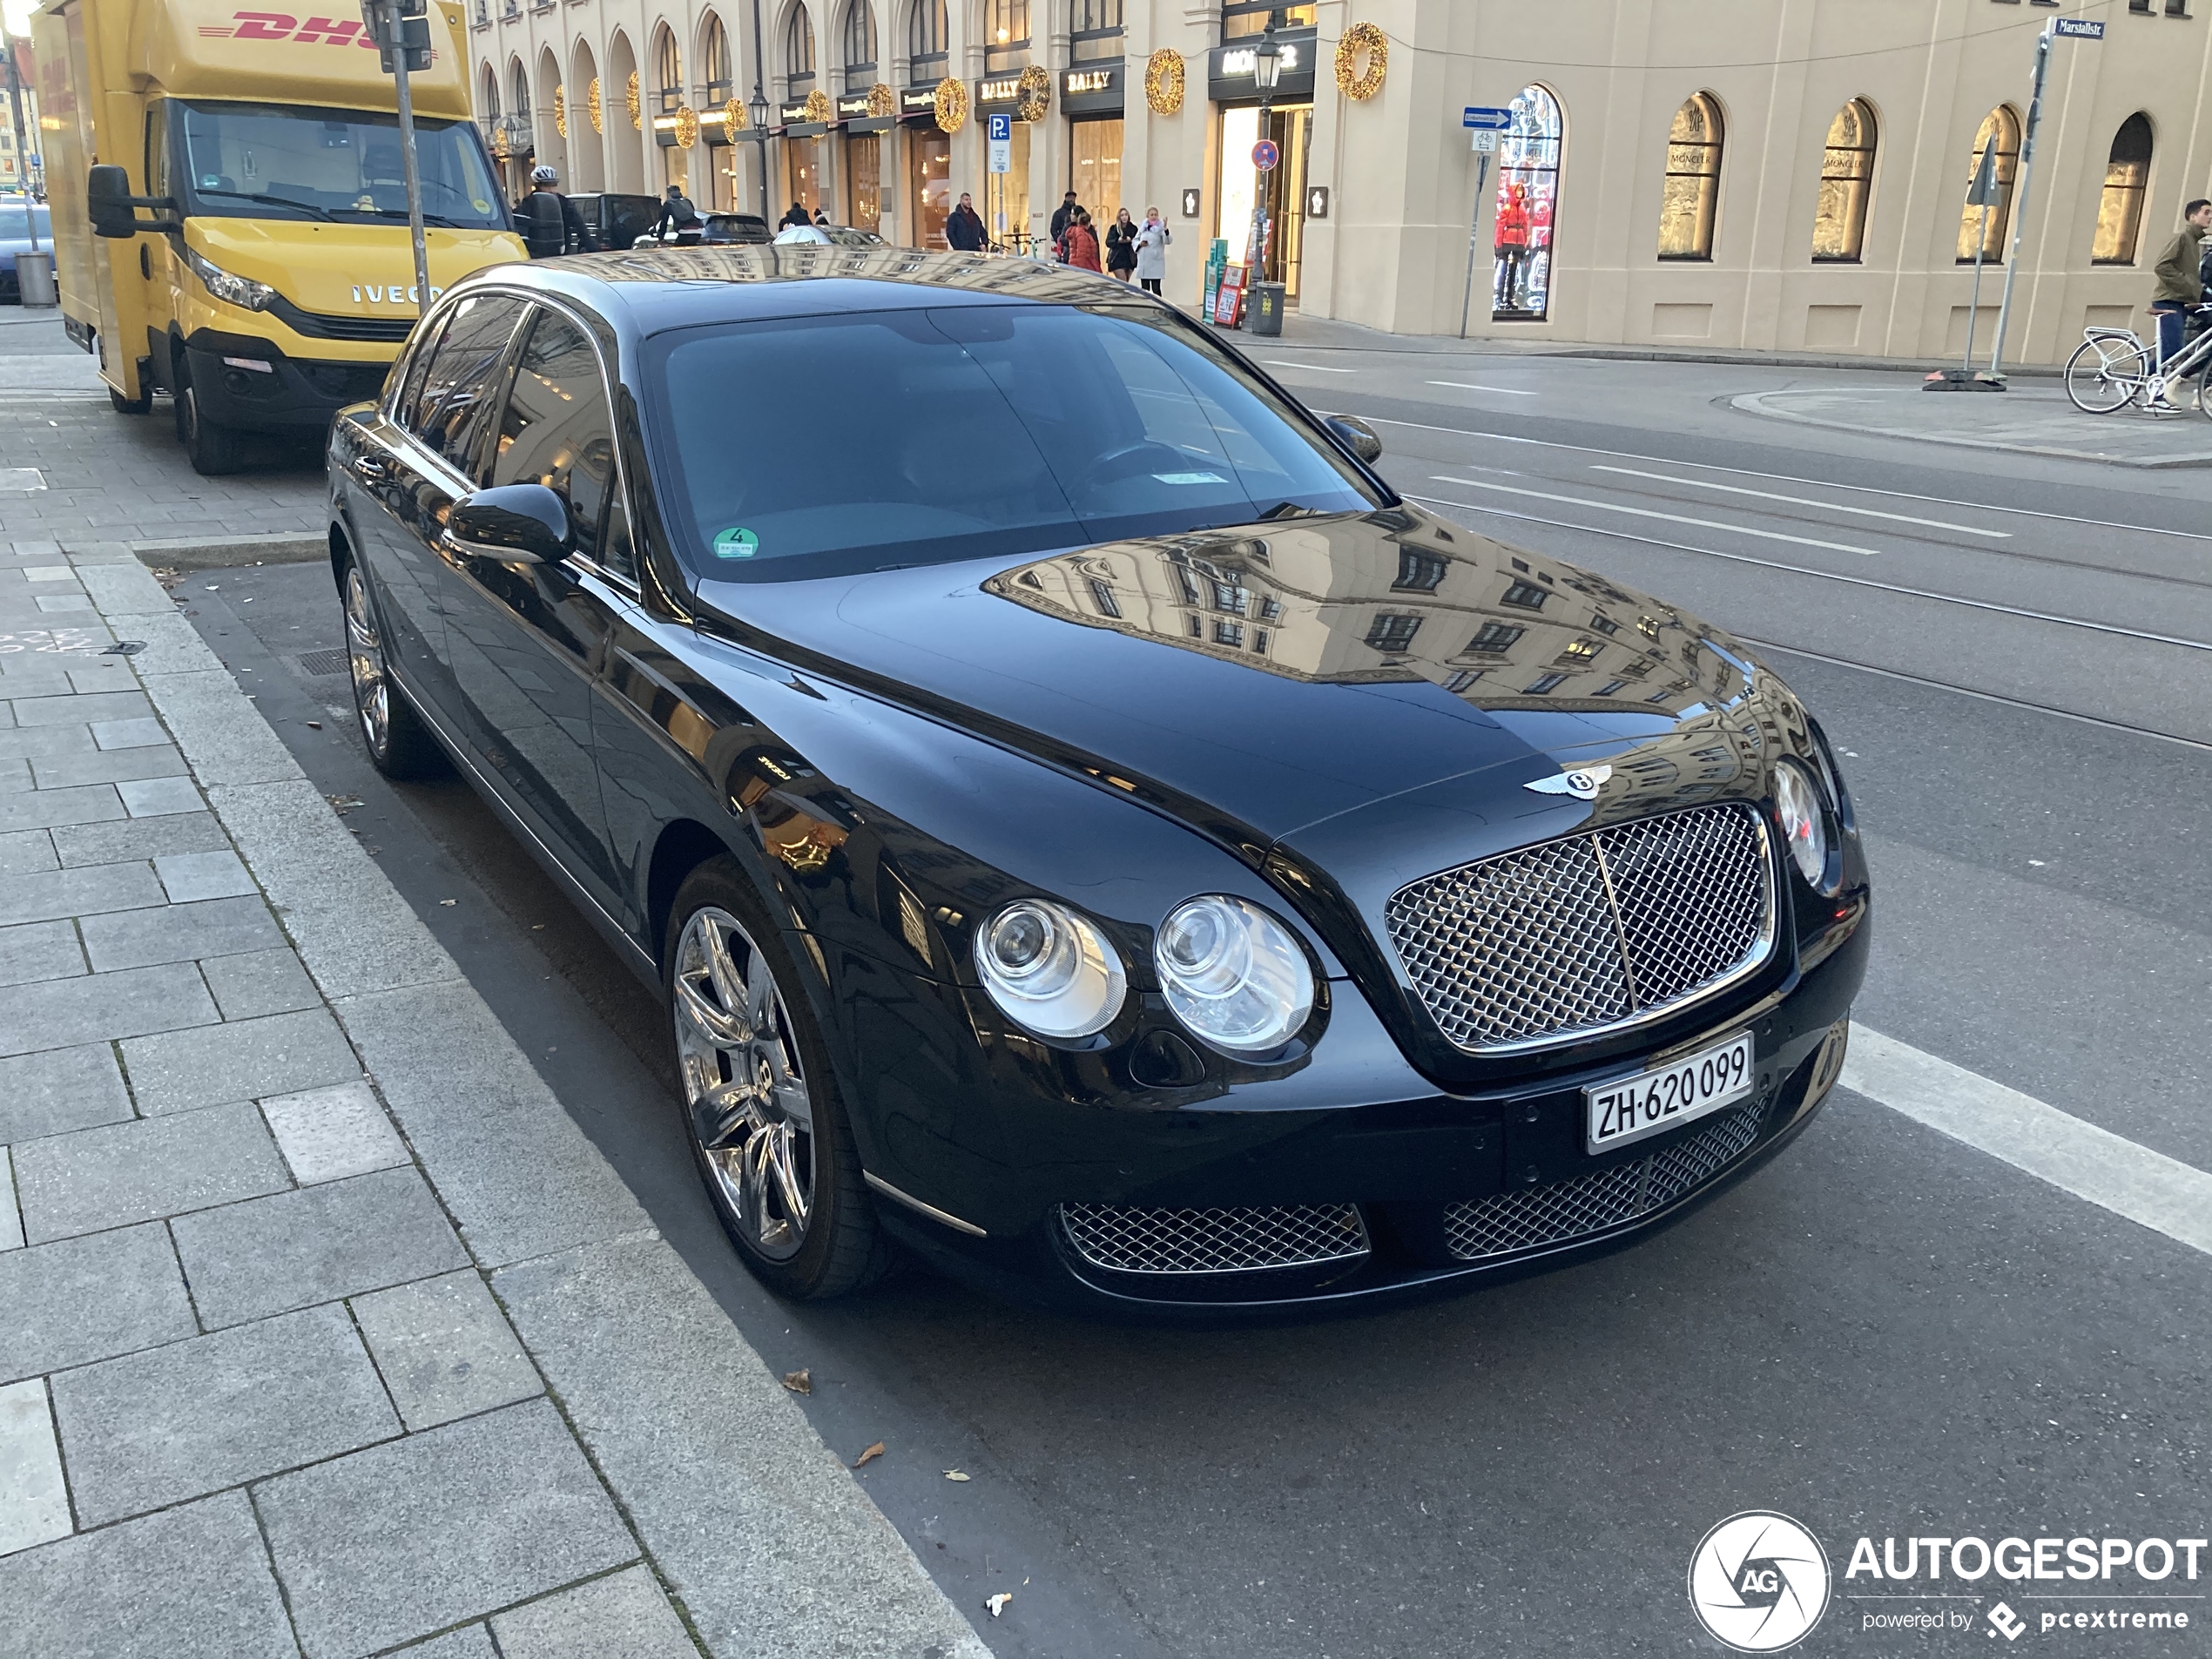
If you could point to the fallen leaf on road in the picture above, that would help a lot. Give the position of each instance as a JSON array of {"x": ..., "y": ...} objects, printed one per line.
[
  {"x": 957, "y": 1474},
  {"x": 800, "y": 1381},
  {"x": 997, "y": 1603},
  {"x": 871, "y": 1454}
]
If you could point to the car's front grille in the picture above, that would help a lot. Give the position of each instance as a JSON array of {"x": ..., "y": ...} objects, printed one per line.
[
  {"x": 1601, "y": 929},
  {"x": 1128, "y": 1240},
  {"x": 1529, "y": 1216},
  {"x": 378, "y": 329}
]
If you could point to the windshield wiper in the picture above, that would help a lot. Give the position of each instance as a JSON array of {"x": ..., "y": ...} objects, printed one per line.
[
  {"x": 274, "y": 201},
  {"x": 401, "y": 212}
]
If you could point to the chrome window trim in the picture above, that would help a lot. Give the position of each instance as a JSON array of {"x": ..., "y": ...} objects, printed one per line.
[{"x": 1760, "y": 955}]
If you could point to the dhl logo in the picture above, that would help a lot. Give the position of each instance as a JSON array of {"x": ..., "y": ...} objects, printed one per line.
[{"x": 277, "y": 25}]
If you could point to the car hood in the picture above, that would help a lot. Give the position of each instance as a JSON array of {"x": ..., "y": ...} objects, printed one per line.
[{"x": 1372, "y": 696}]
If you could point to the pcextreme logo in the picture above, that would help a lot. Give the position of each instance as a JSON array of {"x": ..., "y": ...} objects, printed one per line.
[{"x": 1758, "y": 1582}]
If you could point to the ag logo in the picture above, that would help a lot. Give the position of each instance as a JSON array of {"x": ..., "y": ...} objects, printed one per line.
[{"x": 1758, "y": 1582}]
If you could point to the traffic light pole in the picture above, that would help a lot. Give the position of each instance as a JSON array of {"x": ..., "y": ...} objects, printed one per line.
[
  {"x": 401, "y": 31},
  {"x": 411, "y": 169},
  {"x": 2020, "y": 200}
]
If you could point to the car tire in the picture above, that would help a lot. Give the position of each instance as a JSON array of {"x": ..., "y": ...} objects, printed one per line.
[
  {"x": 123, "y": 405},
  {"x": 754, "y": 1150},
  {"x": 214, "y": 450},
  {"x": 400, "y": 743}
]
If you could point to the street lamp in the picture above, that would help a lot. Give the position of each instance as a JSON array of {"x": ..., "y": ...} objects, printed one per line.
[
  {"x": 1267, "y": 71},
  {"x": 757, "y": 107}
]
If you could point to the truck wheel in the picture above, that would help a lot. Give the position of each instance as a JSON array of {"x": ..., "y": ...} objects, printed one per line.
[
  {"x": 128, "y": 405},
  {"x": 213, "y": 449}
]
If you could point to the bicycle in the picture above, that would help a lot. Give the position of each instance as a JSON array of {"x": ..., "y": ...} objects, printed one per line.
[{"x": 2113, "y": 369}]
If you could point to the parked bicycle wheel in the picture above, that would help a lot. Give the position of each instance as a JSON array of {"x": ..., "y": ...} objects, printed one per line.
[{"x": 2105, "y": 374}]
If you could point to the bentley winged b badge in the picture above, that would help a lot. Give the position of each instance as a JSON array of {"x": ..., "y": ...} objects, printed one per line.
[{"x": 1583, "y": 783}]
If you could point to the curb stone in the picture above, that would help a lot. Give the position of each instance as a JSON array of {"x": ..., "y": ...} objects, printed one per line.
[{"x": 564, "y": 1242}]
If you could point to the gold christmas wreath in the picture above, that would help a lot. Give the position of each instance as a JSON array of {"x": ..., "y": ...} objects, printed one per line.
[
  {"x": 818, "y": 107},
  {"x": 1362, "y": 39},
  {"x": 1033, "y": 94},
  {"x": 687, "y": 126},
  {"x": 882, "y": 101},
  {"x": 1163, "y": 81},
  {"x": 636, "y": 110},
  {"x": 561, "y": 109},
  {"x": 734, "y": 118},
  {"x": 596, "y": 109},
  {"x": 951, "y": 104}
]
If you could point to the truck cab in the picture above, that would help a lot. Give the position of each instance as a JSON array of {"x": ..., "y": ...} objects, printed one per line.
[{"x": 274, "y": 282}]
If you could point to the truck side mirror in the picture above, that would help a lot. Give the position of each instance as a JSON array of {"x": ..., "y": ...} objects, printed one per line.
[{"x": 107, "y": 193}]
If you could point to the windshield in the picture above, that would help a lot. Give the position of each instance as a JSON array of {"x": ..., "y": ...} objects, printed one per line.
[
  {"x": 289, "y": 161},
  {"x": 810, "y": 446}
]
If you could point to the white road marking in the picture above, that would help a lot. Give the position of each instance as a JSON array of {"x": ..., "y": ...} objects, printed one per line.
[
  {"x": 1799, "y": 570},
  {"x": 1276, "y": 363},
  {"x": 1802, "y": 501},
  {"x": 1646, "y": 512},
  {"x": 1787, "y": 478},
  {"x": 1468, "y": 386},
  {"x": 2110, "y": 1172}
]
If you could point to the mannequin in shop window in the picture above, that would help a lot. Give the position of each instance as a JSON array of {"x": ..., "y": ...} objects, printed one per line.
[{"x": 1511, "y": 244}]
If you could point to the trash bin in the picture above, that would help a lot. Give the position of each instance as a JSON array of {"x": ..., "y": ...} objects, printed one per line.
[
  {"x": 35, "y": 279},
  {"x": 1266, "y": 315}
]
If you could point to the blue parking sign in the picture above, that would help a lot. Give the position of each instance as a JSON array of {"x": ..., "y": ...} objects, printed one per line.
[{"x": 1002, "y": 128}]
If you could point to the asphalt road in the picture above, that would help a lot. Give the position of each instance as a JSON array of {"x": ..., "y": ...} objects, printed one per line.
[{"x": 1885, "y": 1333}]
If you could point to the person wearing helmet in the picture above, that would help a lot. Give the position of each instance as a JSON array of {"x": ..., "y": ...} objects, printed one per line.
[{"x": 552, "y": 224}]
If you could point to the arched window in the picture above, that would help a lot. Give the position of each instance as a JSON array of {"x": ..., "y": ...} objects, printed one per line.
[
  {"x": 1005, "y": 33},
  {"x": 714, "y": 63},
  {"x": 798, "y": 51},
  {"x": 667, "y": 69},
  {"x": 519, "y": 81},
  {"x": 1846, "y": 180},
  {"x": 1527, "y": 193},
  {"x": 859, "y": 46},
  {"x": 1999, "y": 127},
  {"x": 491, "y": 97},
  {"x": 927, "y": 28},
  {"x": 1693, "y": 186},
  {"x": 2119, "y": 209}
]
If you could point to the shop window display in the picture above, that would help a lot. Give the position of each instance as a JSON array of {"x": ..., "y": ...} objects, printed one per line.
[{"x": 1527, "y": 194}]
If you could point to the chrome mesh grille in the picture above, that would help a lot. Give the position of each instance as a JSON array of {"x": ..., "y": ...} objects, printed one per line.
[
  {"x": 1600, "y": 929},
  {"x": 1129, "y": 1240},
  {"x": 1506, "y": 1222}
]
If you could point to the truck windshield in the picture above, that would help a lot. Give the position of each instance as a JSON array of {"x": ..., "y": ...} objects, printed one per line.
[{"x": 290, "y": 161}]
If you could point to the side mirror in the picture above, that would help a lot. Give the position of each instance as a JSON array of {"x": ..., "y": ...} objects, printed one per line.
[
  {"x": 1357, "y": 434},
  {"x": 514, "y": 523},
  {"x": 107, "y": 194}
]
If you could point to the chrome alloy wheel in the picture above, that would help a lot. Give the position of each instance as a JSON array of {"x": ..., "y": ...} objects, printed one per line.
[
  {"x": 750, "y": 1110},
  {"x": 365, "y": 662}
]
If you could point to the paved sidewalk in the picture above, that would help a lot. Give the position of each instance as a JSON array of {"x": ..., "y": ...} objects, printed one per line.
[
  {"x": 323, "y": 1329},
  {"x": 2028, "y": 419}
]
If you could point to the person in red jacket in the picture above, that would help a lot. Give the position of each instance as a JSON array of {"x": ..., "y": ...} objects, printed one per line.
[
  {"x": 1082, "y": 243},
  {"x": 1510, "y": 239}
]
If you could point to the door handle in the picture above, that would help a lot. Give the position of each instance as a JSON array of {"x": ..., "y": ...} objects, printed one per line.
[{"x": 372, "y": 467}]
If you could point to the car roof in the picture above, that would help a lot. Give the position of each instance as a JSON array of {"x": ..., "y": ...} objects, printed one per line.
[{"x": 655, "y": 289}]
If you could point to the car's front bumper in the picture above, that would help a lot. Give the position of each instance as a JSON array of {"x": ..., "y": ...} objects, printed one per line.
[
  {"x": 251, "y": 384},
  {"x": 1405, "y": 1166}
]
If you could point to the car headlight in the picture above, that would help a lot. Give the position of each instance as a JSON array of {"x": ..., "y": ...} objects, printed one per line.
[
  {"x": 1804, "y": 822},
  {"x": 233, "y": 290},
  {"x": 1050, "y": 969},
  {"x": 1233, "y": 974}
]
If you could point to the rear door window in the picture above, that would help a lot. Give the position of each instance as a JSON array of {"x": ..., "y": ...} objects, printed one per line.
[
  {"x": 558, "y": 429},
  {"x": 461, "y": 378}
]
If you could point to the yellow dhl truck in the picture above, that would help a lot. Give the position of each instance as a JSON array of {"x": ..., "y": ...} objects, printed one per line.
[{"x": 277, "y": 280}]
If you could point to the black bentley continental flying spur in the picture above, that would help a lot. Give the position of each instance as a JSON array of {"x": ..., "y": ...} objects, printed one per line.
[{"x": 1084, "y": 826}]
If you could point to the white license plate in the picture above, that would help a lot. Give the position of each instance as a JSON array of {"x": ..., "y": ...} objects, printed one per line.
[{"x": 1628, "y": 1109}]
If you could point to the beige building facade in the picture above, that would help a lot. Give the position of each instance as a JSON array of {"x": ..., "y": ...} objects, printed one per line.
[{"x": 1769, "y": 175}]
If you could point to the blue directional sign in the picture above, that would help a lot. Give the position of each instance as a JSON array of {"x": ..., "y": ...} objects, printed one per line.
[
  {"x": 1485, "y": 116},
  {"x": 2078, "y": 27},
  {"x": 1002, "y": 128}
]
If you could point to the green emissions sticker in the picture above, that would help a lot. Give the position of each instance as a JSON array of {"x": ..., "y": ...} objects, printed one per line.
[{"x": 735, "y": 544}]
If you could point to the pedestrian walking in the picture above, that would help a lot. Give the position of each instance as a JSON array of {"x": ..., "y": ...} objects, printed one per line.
[
  {"x": 1060, "y": 215},
  {"x": 820, "y": 217},
  {"x": 796, "y": 214},
  {"x": 552, "y": 224},
  {"x": 964, "y": 227},
  {"x": 2181, "y": 283},
  {"x": 1121, "y": 245},
  {"x": 677, "y": 219},
  {"x": 1082, "y": 243},
  {"x": 1152, "y": 240}
]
